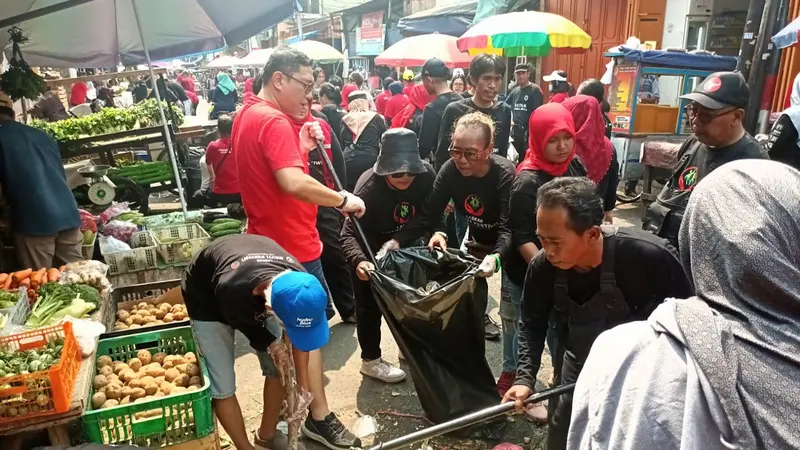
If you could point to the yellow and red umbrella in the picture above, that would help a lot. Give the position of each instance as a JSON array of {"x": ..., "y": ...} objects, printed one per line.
[
  {"x": 527, "y": 33},
  {"x": 415, "y": 50}
]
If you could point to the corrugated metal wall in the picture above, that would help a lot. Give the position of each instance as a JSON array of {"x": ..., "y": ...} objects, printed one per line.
[{"x": 790, "y": 65}]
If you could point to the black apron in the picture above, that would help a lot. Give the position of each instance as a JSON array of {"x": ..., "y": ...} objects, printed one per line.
[{"x": 579, "y": 325}]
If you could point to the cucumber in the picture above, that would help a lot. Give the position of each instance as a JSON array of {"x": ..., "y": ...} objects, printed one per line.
[
  {"x": 226, "y": 226},
  {"x": 226, "y": 220},
  {"x": 227, "y": 232}
]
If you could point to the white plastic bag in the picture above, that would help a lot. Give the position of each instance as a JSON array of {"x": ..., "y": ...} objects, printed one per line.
[{"x": 110, "y": 244}]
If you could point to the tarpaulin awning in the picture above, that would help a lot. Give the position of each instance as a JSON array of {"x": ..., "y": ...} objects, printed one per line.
[
  {"x": 452, "y": 20},
  {"x": 678, "y": 60}
]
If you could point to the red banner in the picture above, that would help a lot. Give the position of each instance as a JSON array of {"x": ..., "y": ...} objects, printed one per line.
[{"x": 372, "y": 26}]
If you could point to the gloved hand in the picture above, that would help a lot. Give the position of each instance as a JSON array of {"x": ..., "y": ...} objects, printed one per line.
[
  {"x": 310, "y": 134},
  {"x": 488, "y": 266},
  {"x": 387, "y": 246},
  {"x": 352, "y": 204},
  {"x": 438, "y": 239}
]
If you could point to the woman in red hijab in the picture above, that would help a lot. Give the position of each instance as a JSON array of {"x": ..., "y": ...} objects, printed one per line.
[
  {"x": 551, "y": 155},
  {"x": 411, "y": 116},
  {"x": 594, "y": 148}
]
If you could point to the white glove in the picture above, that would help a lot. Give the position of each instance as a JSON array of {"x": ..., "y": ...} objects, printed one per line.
[
  {"x": 310, "y": 134},
  {"x": 352, "y": 204},
  {"x": 387, "y": 246},
  {"x": 488, "y": 266}
]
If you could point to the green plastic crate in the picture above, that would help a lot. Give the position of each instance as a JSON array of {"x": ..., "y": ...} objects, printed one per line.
[{"x": 183, "y": 417}]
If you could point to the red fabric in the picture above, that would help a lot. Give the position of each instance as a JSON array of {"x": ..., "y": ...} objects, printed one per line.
[
  {"x": 381, "y": 100},
  {"x": 248, "y": 85},
  {"x": 591, "y": 143},
  {"x": 226, "y": 181},
  {"x": 346, "y": 90},
  {"x": 266, "y": 141},
  {"x": 77, "y": 95},
  {"x": 417, "y": 101},
  {"x": 328, "y": 133},
  {"x": 546, "y": 121},
  {"x": 395, "y": 105},
  {"x": 187, "y": 82},
  {"x": 375, "y": 82},
  {"x": 407, "y": 89},
  {"x": 559, "y": 98}
]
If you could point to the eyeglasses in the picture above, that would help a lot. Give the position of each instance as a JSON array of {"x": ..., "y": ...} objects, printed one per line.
[
  {"x": 468, "y": 155},
  {"x": 693, "y": 113},
  {"x": 401, "y": 175},
  {"x": 307, "y": 86}
]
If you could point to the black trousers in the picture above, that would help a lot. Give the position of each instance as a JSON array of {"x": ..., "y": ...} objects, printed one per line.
[
  {"x": 368, "y": 320},
  {"x": 520, "y": 142},
  {"x": 561, "y": 407},
  {"x": 334, "y": 264}
]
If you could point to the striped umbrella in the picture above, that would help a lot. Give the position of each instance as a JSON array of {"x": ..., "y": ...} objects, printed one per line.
[{"x": 527, "y": 33}]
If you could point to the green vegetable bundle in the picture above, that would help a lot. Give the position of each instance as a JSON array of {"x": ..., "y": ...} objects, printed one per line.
[
  {"x": 20, "y": 81},
  {"x": 56, "y": 301},
  {"x": 145, "y": 173},
  {"x": 8, "y": 299}
]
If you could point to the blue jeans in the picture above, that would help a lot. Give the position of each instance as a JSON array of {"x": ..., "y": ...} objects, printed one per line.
[
  {"x": 510, "y": 312},
  {"x": 315, "y": 268}
]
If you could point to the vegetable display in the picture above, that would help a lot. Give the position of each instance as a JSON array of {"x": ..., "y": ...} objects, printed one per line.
[
  {"x": 27, "y": 278},
  {"x": 223, "y": 227},
  {"x": 147, "y": 314},
  {"x": 145, "y": 173},
  {"x": 145, "y": 377},
  {"x": 15, "y": 363},
  {"x": 24, "y": 362},
  {"x": 20, "y": 81},
  {"x": 57, "y": 301}
]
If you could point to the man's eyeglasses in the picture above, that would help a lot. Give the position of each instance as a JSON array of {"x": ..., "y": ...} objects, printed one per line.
[
  {"x": 468, "y": 155},
  {"x": 307, "y": 86},
  {"x": 693, "y": 113}
]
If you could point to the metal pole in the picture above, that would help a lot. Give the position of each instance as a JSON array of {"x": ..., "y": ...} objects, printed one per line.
[
  {"x": 168, "y": 137},
  {"x": 773, "y": 65},
  {"x": 299, "y": 25},
  {"x": 468, "y": 420},
  {"x": 753, "y": 22},
  {"x": 758, "y": 70}
]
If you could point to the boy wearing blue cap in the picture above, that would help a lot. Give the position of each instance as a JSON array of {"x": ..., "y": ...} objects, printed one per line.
[{"x": 231, "y": 285}]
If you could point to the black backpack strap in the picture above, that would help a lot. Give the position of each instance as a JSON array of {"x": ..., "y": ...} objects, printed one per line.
[{"x": 608, "y": 281}]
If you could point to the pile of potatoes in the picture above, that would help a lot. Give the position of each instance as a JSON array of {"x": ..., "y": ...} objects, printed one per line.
[
  {"x": 145, "y": 377},
  {"x": 149, "y": 314}
]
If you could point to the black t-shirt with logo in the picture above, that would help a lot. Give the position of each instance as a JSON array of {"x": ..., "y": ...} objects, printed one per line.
[
  {"x": 483, "y": 200},
  {"x": 388, "y": 211},
  {"x": 523, "y": 101},
  {"x": 432, "y": 121},
  {"x": 783, "y": 142},
  {"x": 218, "y": 284}
]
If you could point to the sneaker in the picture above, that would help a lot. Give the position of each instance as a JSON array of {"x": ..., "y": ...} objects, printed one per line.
[
  {"x": 279, "y": 441},
  {"x": 382, "y": 370},
  {"x": 330, "y": 432},
  {"x": 490, "y": 328},
  {"x": 505, "y": 382},
  {"x": 351, "y": 319}
]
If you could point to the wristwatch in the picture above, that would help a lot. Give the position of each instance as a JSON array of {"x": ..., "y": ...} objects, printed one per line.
[{"x": 344, "y": 199}]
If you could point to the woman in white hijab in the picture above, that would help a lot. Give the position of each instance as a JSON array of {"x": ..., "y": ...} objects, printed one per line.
[
  {"x": 784, "y": 139},
  {"x": 720, "y": 370}
]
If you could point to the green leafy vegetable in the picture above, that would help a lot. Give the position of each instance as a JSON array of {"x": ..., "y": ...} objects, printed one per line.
[
  {"x": 20, "y": 81},
  {"x": 59, "y": 300}
]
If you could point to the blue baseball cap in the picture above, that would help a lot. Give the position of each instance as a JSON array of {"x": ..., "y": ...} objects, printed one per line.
[{"x": 299, "y": 300}]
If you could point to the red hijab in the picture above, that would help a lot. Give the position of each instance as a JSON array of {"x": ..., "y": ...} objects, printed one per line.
[
  {"x": 591, "y": 143},
  {"x": 326, "y": 131},
  {"x": 546, "y": 121},
  {"x": 418, "y": 99}
]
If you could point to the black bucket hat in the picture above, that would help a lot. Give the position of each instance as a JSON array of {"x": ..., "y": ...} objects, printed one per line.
[{"x": 399, "y": 154}]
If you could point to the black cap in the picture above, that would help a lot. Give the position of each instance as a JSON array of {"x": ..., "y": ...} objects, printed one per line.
[
  {"x": 399, "y": 153},
  {"x": 522, "y": 68},
  {"x": 435, "y": 68},
  {"x": 721, "y": 90}
]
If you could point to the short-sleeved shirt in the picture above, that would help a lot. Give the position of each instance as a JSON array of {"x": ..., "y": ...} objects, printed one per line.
[
  {"x": 218, "y": 284},
  {"x": 395, "y": 105},
  {"x": 381, "y": 100},
  {"x": 223, "y": 162},
  {"x": 265, "y": 141},
  {"x": 78, "y": 93},
  {"x": 346, "y": 90}
]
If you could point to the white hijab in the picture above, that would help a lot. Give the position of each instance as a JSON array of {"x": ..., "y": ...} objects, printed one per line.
[{"x": 793, "y": 111}]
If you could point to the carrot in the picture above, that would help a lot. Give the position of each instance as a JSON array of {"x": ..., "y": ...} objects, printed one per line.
[
  {"x": 61, "y": 269},
  {"x": 53, "y": 275},
  {"x": 7, "y": 284},
  {"x": 36, "y": 277},
  {"x": 26, "y": 283},
  {"x": 21, "y": 275},
  {"x": 3, "y": 278},
  {"x": 31, "y": 294},
  {"x": 45, "y": 279}
]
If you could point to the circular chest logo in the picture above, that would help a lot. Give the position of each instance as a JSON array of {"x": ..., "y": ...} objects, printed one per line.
[
  {"x": 688, "y": 179},
  {"x": 235, "y": 265},
  {"x": 526, "y": 98},
  {"x": 713, "y": 85},
  {"x": 403, "y": 212},
  {"x": 473, "y": 205}
]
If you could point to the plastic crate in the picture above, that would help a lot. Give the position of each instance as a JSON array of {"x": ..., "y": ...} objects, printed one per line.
[
  {"x": 171, "y": 242},
  {"x": 141, "y": 256},
  {"x": 17, "y": 314},
  {"x": 183, "y": 417},
  {"x": 87, "y": 250},
  {"x": 146, "y": 292},
  {"x": 56, "y": 383}
]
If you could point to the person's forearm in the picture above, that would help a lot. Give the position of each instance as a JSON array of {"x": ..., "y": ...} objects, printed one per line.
[
  {"x": 531, "y": 346},
  {"x": 528, "y": 251},
  {"x": 301, "y": 368},
  {"x": 305, "y": 188}
]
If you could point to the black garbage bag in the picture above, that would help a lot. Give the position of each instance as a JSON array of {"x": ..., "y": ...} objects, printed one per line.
[{"x": 434, "y": 306}]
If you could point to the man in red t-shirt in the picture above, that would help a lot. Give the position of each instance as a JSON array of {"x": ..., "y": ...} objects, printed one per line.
[
  {"x": 280, "y": 198},
  {"x": 396, "y": 103},
  {"x": 222, "y": 165},
  {"x": 383, "y": 97},
  {"x": 77, "y": 94}
]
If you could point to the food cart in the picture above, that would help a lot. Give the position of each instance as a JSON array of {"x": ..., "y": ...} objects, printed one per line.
[{"x": 647, "y": 113}]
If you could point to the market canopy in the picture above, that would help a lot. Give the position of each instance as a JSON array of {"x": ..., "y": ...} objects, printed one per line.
[
  {"x": 223, "y": 61},
  {"x": 104, "y": 33},
  {"x": 451, "y": 19},
  {"x": 788, "y": 36},
  {"x": 415, "y": 50},
  {"x": 319, "y": 51},
  {"x": 256, "y": 58}
]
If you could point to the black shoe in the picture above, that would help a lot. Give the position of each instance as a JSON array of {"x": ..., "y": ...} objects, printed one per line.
[
  {"x": 330, "y": 432},
  {"x": 490, "y": 329},
  {"x": 351, "y": 319}
]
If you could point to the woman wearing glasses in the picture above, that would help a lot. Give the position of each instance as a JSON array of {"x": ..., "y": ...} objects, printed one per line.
[{"x": 394, "y": 190}]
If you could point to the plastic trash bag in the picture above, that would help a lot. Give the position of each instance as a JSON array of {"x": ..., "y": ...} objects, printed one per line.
[{"x": 434, "y": 305}]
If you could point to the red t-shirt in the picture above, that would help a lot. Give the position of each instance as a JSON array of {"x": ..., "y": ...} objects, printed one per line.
[
  {"x": 395, "y": 105},
  {"x": 77, "y": 95},
  {"x": 248, "y": 85},
  {"x": 381, "y": 100},
  {"x": 226, "y": 177},
  {"x": 267, "y": 141},
  {"x": 559, "y": 98},
  {"x": 407, "y": 89},
  {"x": 346, "y": 90}
]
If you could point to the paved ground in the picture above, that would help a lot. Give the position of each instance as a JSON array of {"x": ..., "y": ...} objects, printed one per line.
[{"x": 359, "y": 400}]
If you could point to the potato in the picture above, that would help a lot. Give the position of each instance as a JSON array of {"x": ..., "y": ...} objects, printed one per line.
[
  {"x": 171, "y": 374},
  {"x": 137, "y": 393},
  {"x": 104, "y": 360},
  {"x": 149, "y": 320},
  {"x": 159, "y": 380},
  {"x": 167, "y": 365},
  {"x": 112, "y": 378},
  {"x": 152, "y": 310},
  {"x": 105, "y": 371},
  {"x": 178, "y": 390},
  {"x": 158, "y": 322},
  {"x": 98, "y": 399},
  {"x": 126, "y": 391},
  {"x": 135, "y": 364},
  {"x": 178, "y": 359},
  {"x": 100, "y": 382},
  {"x": 109, "y": 404},
  {"x": 166, "y": 387},
  {"x": 122, "y": 314},
  {"x": 155, "y": 372},
  {"x": 136, "y": 325},
  {"x": 136, "y": 383},
  {"x": 150, "y": 388},
  {"x": 144, "y": 356},
  {"x": 182, "y": 380},
  {"x": 114, "y": 392},
  {"x": 119, "y": 326},
  {"x": 125, "y": 401},
  {"x": 129, "y": 376},
  {"x": 138, "y": 319},
  {"x": 193, "y": 387},
  {"x": 190, "y": 358},
  {"x": 159, "y": 394},
  {"x": 159, "y": 357},
  {"x": 143, "y": 305},
  {"x": 180, "y": 315},
  {"x": 147, "y": 379},
  {"x": 181, "y": 368},
  {"x": 168, "y": 318},
  {"x": 119, "y": 367},
  {"x": 144, "y": 313},
  {"x": 159, "y": 314},
  {"x": 192, "y": 369},
  {"x": 164, "y": 305},
  {"x": 129, "y": 321},
  {"x": 195, "y": 381}
]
